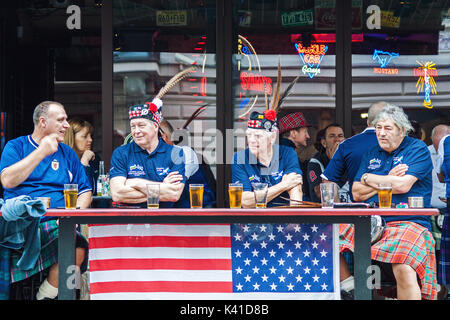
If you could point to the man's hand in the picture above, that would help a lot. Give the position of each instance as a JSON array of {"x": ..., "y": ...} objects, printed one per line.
[
  {"x": 399, "y": 170},
  {"x": 333, "y": 149},
  {"x": 49, "y": 144},
  {"x": 173, "y": 177}
]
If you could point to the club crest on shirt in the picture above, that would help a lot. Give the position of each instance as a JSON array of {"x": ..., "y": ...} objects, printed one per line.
[
  {"x": 136, "y": 170},
  {"x": 397, "y": 160},
  {"x": 162, "y": 171},
  {"x": 374, "y": 164},
  {"x": 277, "y": 175},
  {"x": 55, "y": 164}
]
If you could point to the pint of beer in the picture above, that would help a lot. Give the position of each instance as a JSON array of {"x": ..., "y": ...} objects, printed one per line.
[
  {"x": 196, "y": 195},
  {"x": 384, "y": 195},
  {"x": 235, "y": 195},
  {"x": 70, "y": 196}
]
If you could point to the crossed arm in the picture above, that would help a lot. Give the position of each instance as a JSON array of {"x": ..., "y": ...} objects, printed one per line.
[
  {"x": 401, "y": 183},
  {"x": 291, "y": 182},
  {"x": 134, "y": 190}
]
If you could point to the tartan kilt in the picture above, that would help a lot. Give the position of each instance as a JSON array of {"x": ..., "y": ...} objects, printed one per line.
[
  {"x": 402, "y": 242},
  {"x": 49, "y": 233},
  {"x": 444, "y": 260}
]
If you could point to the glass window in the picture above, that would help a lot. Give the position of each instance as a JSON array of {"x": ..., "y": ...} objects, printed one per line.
[
  {"x": 403, "y": 58},
  {"x": 301, "y": 36},
  {"x": 153, "y": 41}
]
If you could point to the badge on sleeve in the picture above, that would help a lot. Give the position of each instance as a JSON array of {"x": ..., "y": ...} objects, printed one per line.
[{"x": 55, "y": 164}]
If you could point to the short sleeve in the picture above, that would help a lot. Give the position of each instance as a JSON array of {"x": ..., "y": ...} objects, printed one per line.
[
  {"x": 118, "y": 164},
  {"x": 179, "y": 166},
  {"x": 440, "y": 156},
  {"x": 10, "y": 155},
  {"x": 239, "y": 173},
  {"x": 362, "y": 167},
  {"x": 291, "y": 160},
  {"x": 78, "y": 171},
  {"x": 419, "y": 162}
]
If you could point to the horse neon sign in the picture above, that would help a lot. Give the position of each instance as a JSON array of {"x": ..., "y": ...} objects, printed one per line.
[
  {"x": 311, "y": 57},
  {"x": 384, "y": 58},
  {"x": 426, "y": 73}
]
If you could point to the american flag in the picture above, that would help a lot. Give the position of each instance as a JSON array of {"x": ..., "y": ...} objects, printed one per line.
[{"x": 220, "y": 261}]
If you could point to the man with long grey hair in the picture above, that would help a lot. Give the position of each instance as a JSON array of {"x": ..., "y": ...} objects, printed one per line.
[{"x": 406, "y": 244}]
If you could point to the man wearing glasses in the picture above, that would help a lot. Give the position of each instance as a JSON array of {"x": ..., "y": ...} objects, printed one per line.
[{"x": 265, "y": 161}]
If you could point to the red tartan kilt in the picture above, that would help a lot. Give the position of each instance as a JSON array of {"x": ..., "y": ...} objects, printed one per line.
[{"x": 402, "y": 242}]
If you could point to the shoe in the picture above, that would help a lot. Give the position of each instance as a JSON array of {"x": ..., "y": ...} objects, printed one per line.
[{"x": 348, "y": 295}]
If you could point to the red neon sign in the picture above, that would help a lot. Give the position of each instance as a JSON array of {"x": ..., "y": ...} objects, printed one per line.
[{"x": 252, "y": 82}]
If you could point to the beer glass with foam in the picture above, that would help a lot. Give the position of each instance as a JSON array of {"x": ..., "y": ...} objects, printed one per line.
[
  {"x": 384, "y": 195},
  {"x": 235, "y": 195},
  {"x": 196, "y": 195}
]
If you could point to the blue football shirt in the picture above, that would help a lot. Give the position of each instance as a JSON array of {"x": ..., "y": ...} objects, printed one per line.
[
  {"x": 348, "y": 155},
  {"x": 416, "y": 155},
  {"x": 131, "y": 161},
  {"x": 247, "y": 169},
  {"x": 50, "y": 175}
]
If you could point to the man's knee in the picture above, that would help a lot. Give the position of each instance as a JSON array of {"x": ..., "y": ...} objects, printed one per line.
[{"x": 404, "y": 274}]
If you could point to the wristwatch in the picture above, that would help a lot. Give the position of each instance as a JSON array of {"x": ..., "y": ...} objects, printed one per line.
[{"x": 364, "y": 177}]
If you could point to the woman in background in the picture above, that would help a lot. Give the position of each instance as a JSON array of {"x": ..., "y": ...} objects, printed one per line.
[{"x": 79, "y": 138}]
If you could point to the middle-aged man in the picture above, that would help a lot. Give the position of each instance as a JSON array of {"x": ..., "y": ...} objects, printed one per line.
[
  {"x": 293, "y": 129},
  {"x": 265, "y": 161},
  {"x": 39, "y": 165},
  {"x": 347, "y": 157},
  {"x": 406, "y": 244},
  {"x": 332, "y": 137},
  {"x": 146, "y": 159}
]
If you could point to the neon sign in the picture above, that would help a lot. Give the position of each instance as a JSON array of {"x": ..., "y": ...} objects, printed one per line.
[
  {"x": 384, "y": 58},
  {"x": 311, "y": 57},
  {"x": 426, "y": 84},
  {"x": 254, "y": 82}
]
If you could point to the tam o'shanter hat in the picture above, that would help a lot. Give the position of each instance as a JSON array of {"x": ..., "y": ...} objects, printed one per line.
[
  {"x": 153, "y": 110},
  {"x": 291, "y": 121},
  {"x": 268, "y": 119}
]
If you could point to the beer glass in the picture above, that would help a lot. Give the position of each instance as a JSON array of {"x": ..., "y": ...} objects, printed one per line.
[
  {"x": 196, "y": 195},
  {"x": 45, "y": 200},
  {"x": 260, "y": 190},
  {"x": 70, "y": 196},
  {"x": 327, "y": 194},
  {"x": 384, "y": 195},
  {"x": 235, "y": 195},
  {"x": 153, "y": 190}
]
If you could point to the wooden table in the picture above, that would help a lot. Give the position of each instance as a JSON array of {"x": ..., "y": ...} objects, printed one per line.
[{"x": 359, "y": 217}]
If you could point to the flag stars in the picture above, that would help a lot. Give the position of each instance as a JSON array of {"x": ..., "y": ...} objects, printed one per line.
[
  {"x": 297, "y": 228},
  {"x": 255, "y": 269},
  {"x": 263, "y": 245},
  {"x": 323, "y": 237},
  {"x": 264, "y": 262},
  {"x": 273, "y": 286},
  {"x": 298, "y": 262},
  {"x": 264, "y": 278},
  {"x": 273, "y": 270},
  {"x": 289, "y": 253},
  {"x": 299, "y": 278},
  {"x": 306, "y": 237},
  {"x": 288, "y": 237},
  {"x": 315, "y": 262},
  {"x": 238, "y": 270},
  {"x": 246, "y": 228},
  {"x": 254, "y": 236},
  {"x": 281, "y": 278},
  {"x": 281, "y": 262},
  {"x": 247, "y": 278},
  {"x": 316, "y": 278},
  {"x": 314, "y": 228},
  {"x": 280, "y": 245},
  {"x": 323, "y": 253},
  {"x": 246, "y": 245},
  {"x": 237, "y": 237},
  {"x": 324, "y": 287},
  {"x": 272, "y": 253},
  {"x": 324, "y": 270},
  {"x": 263, "y": 228},
  {"x": 290, "y": 287},
  {"x": 256, "y": 286},
  {"x": 306, "y": 253},
  {"x": 290, "y": 270},
  {"x": 272, "y": 237},
  {"x": 238, "y": 253},
  {"x": 298, "y": 245},
  {"x": 280, "y": 229},
  {"x": 239, "y": 287},
  {"x": 315, "y": 245},
  {"x": 307, "y": 270},
  {"x": 307, "y": 287},
  {"x": 255, "y": 253},
  {"x": 247, "y": 261}
]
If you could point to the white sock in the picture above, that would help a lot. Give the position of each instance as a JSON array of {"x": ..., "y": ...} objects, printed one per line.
[
  {"x": 46, "y": 290},
  {"x": 348, "y": 284}
]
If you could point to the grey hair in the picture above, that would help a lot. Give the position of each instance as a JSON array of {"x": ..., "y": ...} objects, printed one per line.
[
  {"x": 374, "y": 109},
  {"x": 397, "y": 115},
  {"x": 41, "y": 110}
]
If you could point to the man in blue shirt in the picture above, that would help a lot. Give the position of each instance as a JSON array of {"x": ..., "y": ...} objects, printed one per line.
[
  {"x": 265, "y": 161},
  {"x": 39, "y": 165},
  {"x": 347, "y": 157},
  {"x": 443, "y": 170},
  {"x": 406, "y": 244},
  {"x": 148, "y": 159}
]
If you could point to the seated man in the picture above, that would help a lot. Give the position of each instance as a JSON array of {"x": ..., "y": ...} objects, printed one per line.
[
  {"x": 407, "y": 243},
  {"x": 328, "y": 143},
  {"x": 147, "y": 159},
  {"x": 265, "y": 161},
  {"x": 39, "y": 165}
]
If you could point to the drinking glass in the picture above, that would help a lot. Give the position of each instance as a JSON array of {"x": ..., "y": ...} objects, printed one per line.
[
  {"x": 235, "y": 195},
  {"x": 70, "y": 196},
  {"x": 260, "y": 190},
  {"x": 153, "y": 190},
  {"x": 196, "y": 195}
]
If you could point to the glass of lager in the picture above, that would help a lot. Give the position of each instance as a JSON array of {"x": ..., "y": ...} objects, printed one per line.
[
  {"x": 70, "y": 196},
  {"x": 260, "y": 190},
  {"x": 384, "y": 195},
  {"x": 235, "y": 195},
  {"x": 327, "y": 194},
  {"x": 196, "y": 195},
  {"x": 153, "y": 195}
]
